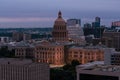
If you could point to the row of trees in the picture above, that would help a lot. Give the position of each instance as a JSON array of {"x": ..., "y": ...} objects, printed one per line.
[{"x": 67, "y": 72}]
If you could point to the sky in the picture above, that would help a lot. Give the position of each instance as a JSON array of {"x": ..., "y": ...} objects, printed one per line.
[{"x": 42, "y": 13}]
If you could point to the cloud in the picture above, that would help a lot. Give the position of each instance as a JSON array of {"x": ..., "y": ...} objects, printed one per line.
[{"x": 28, "y": 19}]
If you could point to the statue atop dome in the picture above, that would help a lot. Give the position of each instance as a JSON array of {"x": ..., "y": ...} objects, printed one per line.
[{"x": 59, "y": 14}]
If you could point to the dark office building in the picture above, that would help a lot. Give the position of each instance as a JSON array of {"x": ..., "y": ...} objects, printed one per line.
[
  {"x": 97, "y": 32},
  {"x": 97, "y": 19},
  {"x": 87, "y": 25},
  {"x": 94, "y": 28},
  {"x": 96, "y": 23}
]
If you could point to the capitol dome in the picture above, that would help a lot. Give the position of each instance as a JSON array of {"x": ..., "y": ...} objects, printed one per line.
[
  {"x": 60, "y": 33},
  {"x": 60, "y": 20}
]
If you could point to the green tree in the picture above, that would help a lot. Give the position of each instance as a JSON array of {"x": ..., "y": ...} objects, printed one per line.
[
  {"x": 67, "y": 67},
  {"x": 4, "y": 52},
  {"x": 75, "y": 63}
]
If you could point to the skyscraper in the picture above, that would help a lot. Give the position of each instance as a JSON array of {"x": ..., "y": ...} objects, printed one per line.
[
  {"x": 97, "y": 19},
  {"x": 96, "y": 23},
  {"x": 75, "y": 32},
  {"x": 87, "y": 25},
  {"x": 73, "y": 22},
  {"x": 60, "y": 33}
]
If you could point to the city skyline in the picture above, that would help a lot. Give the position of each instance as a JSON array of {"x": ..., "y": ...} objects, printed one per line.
[{"x": 29, "y": 13}]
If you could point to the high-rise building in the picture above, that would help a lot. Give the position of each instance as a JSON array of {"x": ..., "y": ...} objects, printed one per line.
[
  {"x": 97, "y": 19},
  {"x": 96, "y": 23},
  {"x": 60, "y": 33},
  {"x": 26, "y": 36},
  {"x": 19, "y": 36},
  {"x": 94, "y": 29},
  {"x": 75, "y": 31},
  {"x": 87, "y": 25},
  {"x": 23, "y": 69},
  {"x": 73, "y": 22},
  {"x": 112, "y": 38}
]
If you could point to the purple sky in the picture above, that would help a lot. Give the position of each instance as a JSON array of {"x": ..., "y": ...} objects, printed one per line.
[{"x": 42, "y": 13}]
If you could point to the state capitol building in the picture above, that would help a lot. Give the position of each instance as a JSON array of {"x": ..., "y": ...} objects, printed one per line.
[{"x": 67, "y": 44}]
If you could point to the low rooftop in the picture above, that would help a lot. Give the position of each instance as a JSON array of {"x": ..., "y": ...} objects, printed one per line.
[
  {"x": 16, "y": 61},
  {"x": 89, "y": 47},
  {"x": 112, "y": 30},
  {"x": 99, "y": 66}
]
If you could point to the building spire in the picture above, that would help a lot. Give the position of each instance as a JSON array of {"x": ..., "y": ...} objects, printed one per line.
[{"x": 59, "y": 14}]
